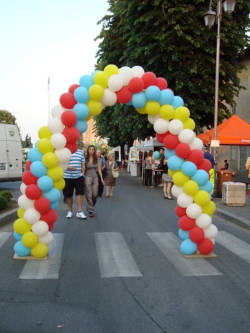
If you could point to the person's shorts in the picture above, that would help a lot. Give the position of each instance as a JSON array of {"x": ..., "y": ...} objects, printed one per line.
[{"x": 73, "y": 184}]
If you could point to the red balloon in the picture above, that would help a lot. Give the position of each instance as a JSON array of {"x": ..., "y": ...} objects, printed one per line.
[
  {"x": 72, "y": 147},
  {"x": 42, "y": 205},
  {"x": 160, "y": 137},
  {"x": 50, "y": 217},
  {"x": 33, "y": 192},
  {"x": 179, "y": 211},
  {"x": 71, "y": 134},
  {"x": 28, "y": 164},
  {"x": 68, "y": 118},
  {"x": 186, "y": 223},
  {"x": 161, "y": 83},
  {"x": 136, "y": 85},
  {"x": 171, "y": 141},
  {"x": 182, "y": 150},
  {"x": 73, "y": 88},
  {"x": 124, "y": 95},
  {"x": 206, "y": 246},
  {"x": 149, "y": 79},
  {"x": 67, "y": 101},
  {"x": 51, "y": 226},
  {"x": 196, "y": 235},
  {"x": 196, "y": 156},
  {"x": 205, "y": 165},
  {"x": 28, "y": 178}
]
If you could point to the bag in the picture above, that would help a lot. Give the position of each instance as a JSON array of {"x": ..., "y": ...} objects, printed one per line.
[{"x": 115, "y": 173}]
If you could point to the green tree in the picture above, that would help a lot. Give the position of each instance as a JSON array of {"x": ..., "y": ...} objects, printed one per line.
[
  {"x": 169, "y": 38},
  {"x": 26, "y": 143},
  {"x": 7, "y": 118}
]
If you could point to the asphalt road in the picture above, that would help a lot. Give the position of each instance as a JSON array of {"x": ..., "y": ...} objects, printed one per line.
[{"x": 122, "y": 272}]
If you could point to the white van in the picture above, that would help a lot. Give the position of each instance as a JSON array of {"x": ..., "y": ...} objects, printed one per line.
[{"x": 10, "y": 153}]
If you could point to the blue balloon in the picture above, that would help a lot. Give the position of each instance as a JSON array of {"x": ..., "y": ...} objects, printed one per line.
[
  {"x": 86, "y": 81},
  {"x": 169, "y": 152},
  {"x": 81, "y": 94},
  {"x": 94, "y": 73},
  {"x": 81, "y": 110},
  {"x": 201, "y": 177},
  {"x": 157, "y": 155},
  {"x": 34, "y": 155},
  {"x": 52, "y": 195},
  {"x": 129, "y": 103},
  {"x": 45, "y": 183},
  {"x": 21, "y": 250},
  {"x": 38, "y": 169},
  {"x": 166, "y": 96},
  {"x": 54, "y": 204},
  {"x": 208, "y": 187},
  {"x": 153, "y": 93},
  {"x": 188, "y": 247},
  {"x": 177, "y": 102},
  {"x": 139, "y": 100},
  {"x": 17, "y": 236},
  {"x": 189, "y": 168},
  {"x": 81, "y": 125},
  {"x": 183, "y": 234},
  {"x": 175, "y": 163}
]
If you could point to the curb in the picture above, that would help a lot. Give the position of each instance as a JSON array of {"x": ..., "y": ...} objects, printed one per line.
[
  {"x": 8, "y": 217},
  {"x": 241, "y": 221}
]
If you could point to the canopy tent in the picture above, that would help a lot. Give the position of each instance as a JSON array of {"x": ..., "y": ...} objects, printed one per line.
[{"x": 233, "y": 131}]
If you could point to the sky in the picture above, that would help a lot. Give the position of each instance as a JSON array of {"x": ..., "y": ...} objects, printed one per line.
[{"x": 39, "y": 37}]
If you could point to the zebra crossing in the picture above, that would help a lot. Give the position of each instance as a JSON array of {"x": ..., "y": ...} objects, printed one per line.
[{"x": 115, "y": 259}]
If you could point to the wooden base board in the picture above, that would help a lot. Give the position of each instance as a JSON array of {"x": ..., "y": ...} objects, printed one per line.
[
  {"x": 199, "y": 255},
  {"x": 16, "y": 257}
]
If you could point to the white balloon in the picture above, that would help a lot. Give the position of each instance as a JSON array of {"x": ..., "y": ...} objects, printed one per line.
[
  {"x": 161, "y": 126},
  {"x": 203, "y": 221},
  {"x": 31, "y": 215},
  {"x": 126, "y": 74},
  {"x": 55, "y": 125},
  {"x": 57, "y": 111},
  {"x": 211, "y": 232},
  {"x": 25, "y": 203},
  {"x": 186, "y": 136},
  {"x": 176, "y": 190},
  {"x": 58, "y": 140},
  {"x": 138, "y": 71},
  {"x": 40, "y": 228},
  {"x": 196, "y": 144},
  {"x": 109, "y": 97},
  {"x": 23, "y": 188},
  {"x": 175, "y": 126},
  {"x": 64, "y": 166},
  {"x": 184, "y": 200},
  {"x": 193, "y": 211},
  {"x": 63, "y": 155},
  {"x": 115, "y": 82},
  {"x": 152, "y": 119},
  {"x": 46, "y": 238}
]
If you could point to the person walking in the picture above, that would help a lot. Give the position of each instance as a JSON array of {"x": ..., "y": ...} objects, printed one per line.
[
  {"x": 148, "y": 169},
  {"x": 167, "y": 181},
  {"x": 74, "y": 181},
  {"x": 110, "y": 181},
  {"x": 91, "y": 178},
  {"x": 102, "y": 163}
]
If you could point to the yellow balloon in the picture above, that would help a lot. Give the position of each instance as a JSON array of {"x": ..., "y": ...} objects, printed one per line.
[
  {"x": 96, "y": 92},
  {"x": 60, "y": 184},
  {"x": 182, "y": 113},
  {"x": 111, "y": 70},
  {"x": 171, "y": 172},
  {"x": 167, "y": 112},
  {"x": 101, "y": 78},
  {"x": 191, "y": 188},
  {"x": 88, "y": 118},
  {"x": 40, "y": 250},
  {"x": 202, "y": 198},
  {"x": 95, "y": 107},
  {"x": 141, "y": 110},
  {"x": 209, "y": 209},
  {"x": 50, "y": 160},
  {"x": 20, "y": 212},
  {"x": 44, "y": 146},
  {"x": 21, "y": 226},
  {"x": 29, "y": 239},
  {"x": 152, "y": 108},
  {"x": 190, "y": 124},
  {"x": 55, "y": 173},
  {"x": 44, "y": 133},
  {"x": 179, "y": 178}
]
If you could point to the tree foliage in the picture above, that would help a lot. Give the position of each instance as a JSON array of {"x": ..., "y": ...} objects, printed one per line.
[
  {"x": 169, "y": 38},
  {"x": 27, "y": 143},
  {"x": 7, "y": 118}
]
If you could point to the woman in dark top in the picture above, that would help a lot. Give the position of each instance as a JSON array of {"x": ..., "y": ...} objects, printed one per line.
[{"x": 167, "y": 181}]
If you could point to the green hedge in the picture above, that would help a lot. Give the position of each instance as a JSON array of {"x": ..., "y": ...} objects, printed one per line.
[{"x": 5, "y": 197}]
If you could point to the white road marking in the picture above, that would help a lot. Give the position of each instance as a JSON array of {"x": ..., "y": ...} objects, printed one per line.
[
  {"x": 4, "y": 236},
  {"x": 114, "y": 256},
  {"x": 234, "y": 244},
  {"x": 47, "y": 269},
  {"x": 168, "y": 244}
]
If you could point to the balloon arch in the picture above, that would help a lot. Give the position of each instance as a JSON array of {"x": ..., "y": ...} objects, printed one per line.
[{"x": 43, "y": 179}]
